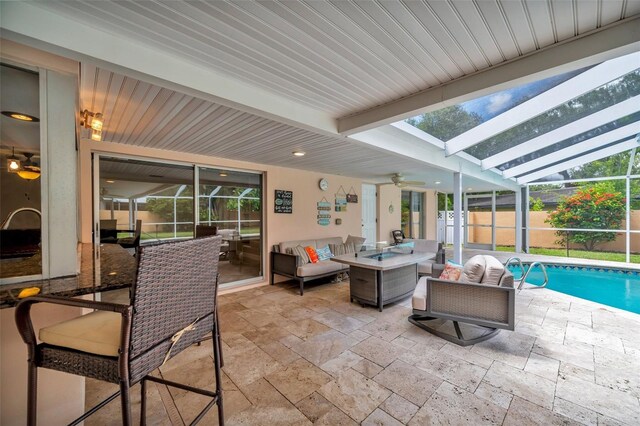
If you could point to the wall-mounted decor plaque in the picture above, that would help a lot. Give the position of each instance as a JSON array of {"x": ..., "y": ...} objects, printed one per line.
[{"x": 283, "y": 202}]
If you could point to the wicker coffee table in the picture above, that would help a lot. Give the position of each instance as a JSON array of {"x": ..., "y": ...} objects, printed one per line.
[{"x": 378, "y": 278}]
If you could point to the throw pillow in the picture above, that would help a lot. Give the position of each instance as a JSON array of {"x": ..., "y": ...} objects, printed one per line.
[
  {"x": 452, "y": 272},
  {"x": 324, "y": 253},
  {"x": 311, "y": 252},
  {"x": 301, "y": 254},
  {"x": 356, "y": 241},
  {"x": 493, "y": 271},
  {"x": 474, "y": 269},
  {"x": 340, "y": 249}
]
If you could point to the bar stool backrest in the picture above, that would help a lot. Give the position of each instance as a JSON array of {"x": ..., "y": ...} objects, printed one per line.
[{"x": 175, "y": 290}]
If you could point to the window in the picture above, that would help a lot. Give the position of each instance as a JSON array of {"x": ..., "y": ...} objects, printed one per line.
[
  {"x": 20, "y": 203},
  {"x": 412, "y": 218}
]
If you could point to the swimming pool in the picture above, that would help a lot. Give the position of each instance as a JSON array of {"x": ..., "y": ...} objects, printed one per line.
[{"x": 611, "y": 287}]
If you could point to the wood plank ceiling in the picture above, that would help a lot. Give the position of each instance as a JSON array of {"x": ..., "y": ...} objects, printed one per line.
[
  {"x": 142, "y": 114},
  {"x": 343, "y": 57}
]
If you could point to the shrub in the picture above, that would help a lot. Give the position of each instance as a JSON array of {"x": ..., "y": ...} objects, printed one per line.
[{"x": 595, "y": 206}]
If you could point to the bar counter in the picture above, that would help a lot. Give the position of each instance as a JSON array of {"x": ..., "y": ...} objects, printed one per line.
[
  {"x": 114, "y": 270},
  {"x": 61, "y": 397}
]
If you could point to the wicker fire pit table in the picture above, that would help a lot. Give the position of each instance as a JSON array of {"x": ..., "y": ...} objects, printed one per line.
[{"x": 380, "y": 277}]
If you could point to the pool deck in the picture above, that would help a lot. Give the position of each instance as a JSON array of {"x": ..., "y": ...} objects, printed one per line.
[
  {"x": 319, "y": 359},
  {"x": 525, "y": 257}
]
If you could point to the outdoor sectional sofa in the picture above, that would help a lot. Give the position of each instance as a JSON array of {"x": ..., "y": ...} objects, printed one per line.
[{"x": 288, "y": 265}]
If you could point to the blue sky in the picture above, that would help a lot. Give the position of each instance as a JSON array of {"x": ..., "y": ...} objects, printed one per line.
[{"x": 489, "y": 106}]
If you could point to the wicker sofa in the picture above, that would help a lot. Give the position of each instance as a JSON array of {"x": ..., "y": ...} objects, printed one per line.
[
  {"x": 483, "y": 299},
  {"x": 288, "y": 265},
  {"x": 428, "y": 246}
]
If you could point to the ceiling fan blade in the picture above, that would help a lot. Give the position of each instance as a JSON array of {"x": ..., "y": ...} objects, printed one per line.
[{"x": 414, "y": 183}]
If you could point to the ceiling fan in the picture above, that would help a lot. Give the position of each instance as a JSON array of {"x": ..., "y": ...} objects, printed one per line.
[{"x": 398, "y": 180}]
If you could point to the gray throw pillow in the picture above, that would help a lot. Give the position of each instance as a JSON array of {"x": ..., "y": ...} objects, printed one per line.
[
  {"x": 356, "y": 241},
  {"x": 340, "y": 249},
  {"x": 303, "y": 257}
]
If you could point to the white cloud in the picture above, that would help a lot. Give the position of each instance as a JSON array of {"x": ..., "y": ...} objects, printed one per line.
[{"x": 497, "y": 102}]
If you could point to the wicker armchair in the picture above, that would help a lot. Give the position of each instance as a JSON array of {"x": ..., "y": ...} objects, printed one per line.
[
  {"x": 174, "y": 306},
  {"x": 485, "y": 306}
]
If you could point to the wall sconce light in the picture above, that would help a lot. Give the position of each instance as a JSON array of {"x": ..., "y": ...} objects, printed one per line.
[
  {"x": 93, "y": 121},
  {"x": 13, "y": 163}
]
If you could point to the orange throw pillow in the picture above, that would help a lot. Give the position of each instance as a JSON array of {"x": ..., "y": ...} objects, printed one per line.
[
  {"x": 311, "y": 252},
  {"x": 451, "y": 272}
]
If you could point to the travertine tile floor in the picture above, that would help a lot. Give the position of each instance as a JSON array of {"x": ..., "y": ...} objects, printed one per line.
[{"x": 319, "y": 359}]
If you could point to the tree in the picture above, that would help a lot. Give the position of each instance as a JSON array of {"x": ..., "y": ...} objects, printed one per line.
[
  {"x": 536, "y": 204},
  {"x": 596, "y": 206},
  {"x": 446, "y": 123}
]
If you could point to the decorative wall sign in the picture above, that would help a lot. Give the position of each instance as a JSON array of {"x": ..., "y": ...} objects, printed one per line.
[
  {"x": 324, "y": 212},
  {"x": 341, "y": 200},
  {"x": 352, "y": 197},
  {"x": 283, "y": 202}
]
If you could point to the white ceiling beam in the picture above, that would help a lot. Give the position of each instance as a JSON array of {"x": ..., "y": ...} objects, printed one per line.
[
  {"x": 421, "y": 134},
  {"x": 579, "y": 161},
  {"x": 570, "y": 151},
  {"x": 564, "y": 92},
  {"x": 415, "y": 145},
  {"x": 30, "y": 24},
  {"x": 591, "y": 48},
  {"x": 582, "y": 125}
]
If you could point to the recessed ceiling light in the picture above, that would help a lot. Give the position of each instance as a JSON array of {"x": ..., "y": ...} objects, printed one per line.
[
  {"x": 223, "y": 174},
  {"x": 20, "y": 116},
  {"x": 298, "y": 153},
  {"x": 469, "y": 189},
  {"x": 111, "y": 181},
  {"x": 438, "y": 182}
]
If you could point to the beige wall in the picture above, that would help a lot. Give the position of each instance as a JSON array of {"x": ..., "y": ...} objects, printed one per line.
[
  {"x": 301, "y": 224},
  {"x": 542, "y": 238},
  {"x": 388, "y": 195}
]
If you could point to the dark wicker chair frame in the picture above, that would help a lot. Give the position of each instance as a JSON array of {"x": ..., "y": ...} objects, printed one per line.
[{"x": 176, "y": 287}]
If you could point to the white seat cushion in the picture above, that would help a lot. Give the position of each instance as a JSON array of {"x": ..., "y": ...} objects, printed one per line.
[
  {"x": 97, "y": 333},
  {"x": 419, "y": 299},
  {"x": 323, "y": 267},
  {"x": 493, "y": 271}
]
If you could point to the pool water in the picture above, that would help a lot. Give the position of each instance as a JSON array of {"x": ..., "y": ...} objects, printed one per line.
[{"x": 618, "y": 289}]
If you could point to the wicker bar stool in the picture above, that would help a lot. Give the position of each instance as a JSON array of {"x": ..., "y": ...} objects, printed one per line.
[{"x": 173, "y": 306}]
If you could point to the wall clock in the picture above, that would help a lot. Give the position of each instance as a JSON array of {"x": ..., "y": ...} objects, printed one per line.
[{"x": 323, "y": 184}]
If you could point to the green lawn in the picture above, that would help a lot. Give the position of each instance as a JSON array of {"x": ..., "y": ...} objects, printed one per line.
[{"x": 579, "y": 254}]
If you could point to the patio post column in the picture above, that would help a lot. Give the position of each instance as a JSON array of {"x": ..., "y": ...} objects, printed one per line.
[
  {"x": 527, "y": 236},
  {"x": 457, "y": 217},
  {"x": 518, "y": 213},
  {"x": 628, "y": 220}
]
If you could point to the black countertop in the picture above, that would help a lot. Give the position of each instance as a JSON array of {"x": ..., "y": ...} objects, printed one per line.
[{"x": 114, "y": 270}]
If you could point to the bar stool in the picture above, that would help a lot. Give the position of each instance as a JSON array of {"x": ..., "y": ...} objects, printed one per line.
[{"x": 174, "y": 305}]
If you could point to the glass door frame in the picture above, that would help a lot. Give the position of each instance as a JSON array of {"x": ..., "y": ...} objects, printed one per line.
[
  {"x": 467, "y": 244},
  {"x": 95, "y": 174}
]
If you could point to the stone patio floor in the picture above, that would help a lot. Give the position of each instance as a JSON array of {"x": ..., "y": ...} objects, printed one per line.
[{"x": 319, "y": 359}]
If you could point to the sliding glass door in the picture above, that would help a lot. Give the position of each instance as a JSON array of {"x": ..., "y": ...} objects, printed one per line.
[
  {"x": 156, "y": 197},
  {"x": 141, "y": 202},
  {"x": 232, "y": 202}
]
